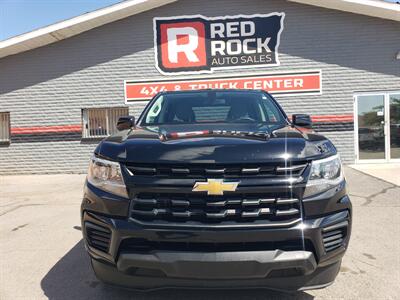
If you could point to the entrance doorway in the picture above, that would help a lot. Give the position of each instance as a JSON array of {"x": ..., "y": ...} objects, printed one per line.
[{"x": 377, "y": 126}]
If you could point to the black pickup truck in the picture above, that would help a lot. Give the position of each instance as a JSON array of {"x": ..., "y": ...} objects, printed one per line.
[{"x": 216, "y": 188}]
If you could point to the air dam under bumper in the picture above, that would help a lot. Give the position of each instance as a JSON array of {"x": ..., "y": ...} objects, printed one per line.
[
  {"x": 219, "y": 270},
  {"x": 219, "y": 265}
]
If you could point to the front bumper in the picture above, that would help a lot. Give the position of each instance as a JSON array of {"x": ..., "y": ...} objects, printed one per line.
[{"x": 145, "y": 257}]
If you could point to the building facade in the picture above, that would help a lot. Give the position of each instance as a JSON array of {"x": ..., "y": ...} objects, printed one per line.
[{"x": 58, "y": 100}]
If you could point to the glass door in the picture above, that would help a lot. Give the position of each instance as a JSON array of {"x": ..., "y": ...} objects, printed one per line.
[
  {"x": 394, "y": 123},
  {"x": 377, "y": 125},
  {"x": 371, "y": 127}
]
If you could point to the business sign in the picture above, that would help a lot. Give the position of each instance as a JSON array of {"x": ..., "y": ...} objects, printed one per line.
[
  {"x": 306, "y": 82},
  {"x": 198, "y": 44}
]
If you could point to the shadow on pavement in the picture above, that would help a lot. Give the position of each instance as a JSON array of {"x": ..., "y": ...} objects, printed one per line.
[{"x": 72, "y": 278}]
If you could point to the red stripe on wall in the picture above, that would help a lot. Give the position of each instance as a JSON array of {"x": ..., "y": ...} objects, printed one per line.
[
  {"x": 333, "y": 118},
  {"x": 78, "y": 128},
  {"x": 330, "y": 118},
  {"x": 46, "y": 129}
]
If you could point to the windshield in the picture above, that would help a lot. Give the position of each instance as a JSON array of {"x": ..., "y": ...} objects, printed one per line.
[{"x": 213, "y": 107}]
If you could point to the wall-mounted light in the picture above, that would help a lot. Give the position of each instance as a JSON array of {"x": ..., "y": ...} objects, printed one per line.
[{"x": 398, "y": 55}]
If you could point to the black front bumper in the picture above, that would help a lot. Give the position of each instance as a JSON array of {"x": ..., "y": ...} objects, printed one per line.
[{"x": 148, "y": 257}]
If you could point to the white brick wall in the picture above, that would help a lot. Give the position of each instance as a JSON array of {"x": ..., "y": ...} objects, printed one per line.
[{"x": 50, "y": 85}]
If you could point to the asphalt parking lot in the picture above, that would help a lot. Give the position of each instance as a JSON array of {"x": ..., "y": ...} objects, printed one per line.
[{"x": 42, "y": 253}]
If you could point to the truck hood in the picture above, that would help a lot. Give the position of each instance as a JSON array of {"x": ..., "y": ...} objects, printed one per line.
[{"x": 147, "y": 145}]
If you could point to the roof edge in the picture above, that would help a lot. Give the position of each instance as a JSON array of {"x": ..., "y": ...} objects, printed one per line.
[
  {"x": 76, "y": 25},
  {"x": 372, "y": 8}
]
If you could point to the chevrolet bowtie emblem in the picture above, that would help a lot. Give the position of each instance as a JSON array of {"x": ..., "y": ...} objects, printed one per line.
[{"x": 215, "y": 186}]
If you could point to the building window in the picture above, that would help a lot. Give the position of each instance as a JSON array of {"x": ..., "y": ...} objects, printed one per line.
[
  {"x": 4, "y": 127},
  {"x": 101, "y": 122}
]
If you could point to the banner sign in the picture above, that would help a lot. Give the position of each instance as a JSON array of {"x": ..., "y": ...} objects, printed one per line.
[
  {"x": 198, "y": 44},
  {"x": 306, "y": 82}
]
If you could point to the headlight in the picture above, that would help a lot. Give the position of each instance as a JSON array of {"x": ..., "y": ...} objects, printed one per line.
[
  {"x": 106, "y": 175},
  {"x": 325, "y": 174}
]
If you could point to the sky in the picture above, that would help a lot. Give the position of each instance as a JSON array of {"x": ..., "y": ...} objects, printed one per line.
[{"x": 21, "y": 16}]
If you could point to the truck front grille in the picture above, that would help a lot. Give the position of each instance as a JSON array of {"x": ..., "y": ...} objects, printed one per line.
[
  {"x": 217, "y": 170},
  {"x": 237, "y": 209}
]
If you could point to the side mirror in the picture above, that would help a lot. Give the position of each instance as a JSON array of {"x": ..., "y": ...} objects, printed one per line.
[
  {"x": 302, "y": 120},
  {"x": 126, "y": 123}
]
